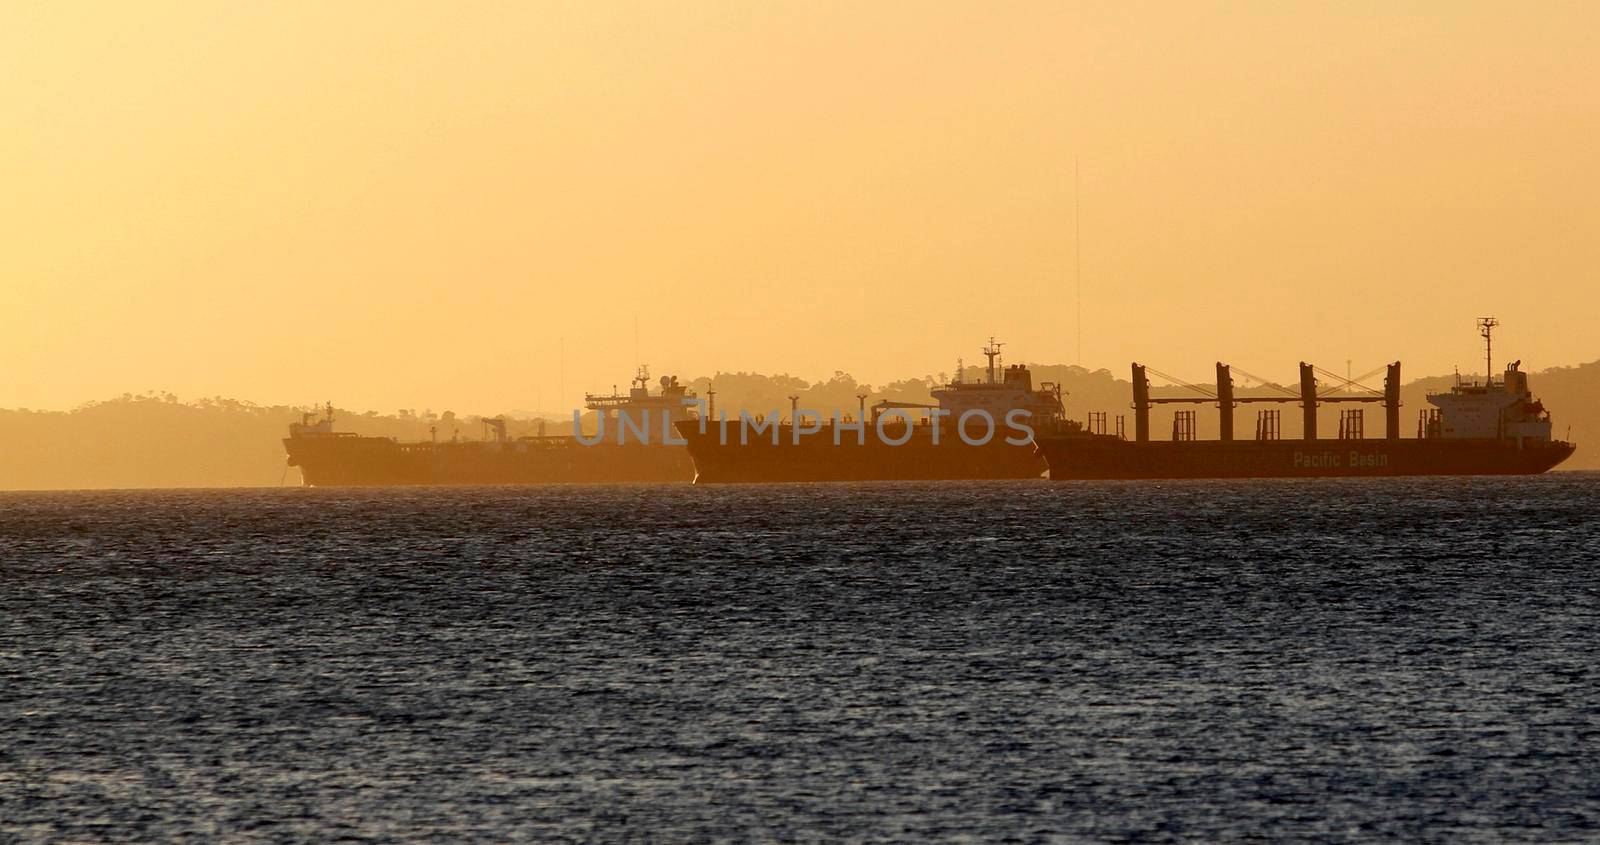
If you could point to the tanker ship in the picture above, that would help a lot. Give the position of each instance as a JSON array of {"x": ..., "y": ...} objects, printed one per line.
[
  {"x": 338, "y": 458},
  {"x": 1493, "y": 427},
  {"x": 974, "y": 430}
]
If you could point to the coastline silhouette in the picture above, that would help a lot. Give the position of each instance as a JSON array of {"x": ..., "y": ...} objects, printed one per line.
[{"x": 160, "y": 440}]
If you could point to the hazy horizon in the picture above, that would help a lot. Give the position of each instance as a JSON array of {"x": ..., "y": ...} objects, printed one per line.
[
  {"x": 530, "y": 410},
  {"x": 412, "y": 205},
  {"x": 162, "y": 441}
]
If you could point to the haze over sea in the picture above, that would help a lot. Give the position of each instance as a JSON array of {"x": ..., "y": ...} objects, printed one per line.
[{"x": 1326, "y": 660}]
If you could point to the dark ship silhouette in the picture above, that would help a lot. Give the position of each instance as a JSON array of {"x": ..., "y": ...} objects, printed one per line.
[
  {"x": 884, "y": 445},
  {"x": 1495, "y": 427},
  {"x": 336, "y": 458}
]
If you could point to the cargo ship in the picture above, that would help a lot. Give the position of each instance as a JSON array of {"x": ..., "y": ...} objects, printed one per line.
[
  {"x": 974, "y": 430},
  {"x": 633, "y": 443},
  {"x": 1492, "y": 427}
]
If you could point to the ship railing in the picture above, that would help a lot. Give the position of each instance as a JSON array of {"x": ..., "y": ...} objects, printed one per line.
[
  {"x": 548, "y": 441},
  {"x": 317, "y": 433}
]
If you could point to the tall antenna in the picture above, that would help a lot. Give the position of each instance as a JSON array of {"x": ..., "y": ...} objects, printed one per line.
[
  {"x": 1077, "y": 245},
  {"x": 992, "y": 351},
  {"x": 561, "y": 380},
  {"x": 1486, "y": 328}
]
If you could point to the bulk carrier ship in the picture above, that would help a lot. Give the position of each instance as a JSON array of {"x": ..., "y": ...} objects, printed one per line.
[
  {"x": 975, "y": 430},
  {"x": 338, "y": 458},
  {"x": 1493, "y": 427}
]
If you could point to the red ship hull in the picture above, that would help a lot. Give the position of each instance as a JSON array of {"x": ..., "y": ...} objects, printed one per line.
[
  {"x": 816, "y": 458},
  {"x": 350, "y": 461},
  {"x": 1107, "y": 457}
]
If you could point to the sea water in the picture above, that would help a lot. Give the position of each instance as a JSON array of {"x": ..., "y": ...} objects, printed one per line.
[{"x": 1330, "y": 660}]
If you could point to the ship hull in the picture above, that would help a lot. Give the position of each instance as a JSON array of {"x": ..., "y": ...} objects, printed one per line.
[
  {"x": 817, "y": 458},
  {"x": 347, "y": 461},
  {"x": 1102, "y": 457}
]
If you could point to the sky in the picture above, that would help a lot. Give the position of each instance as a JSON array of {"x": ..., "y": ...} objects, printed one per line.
[{"x": 486, "y": 207}]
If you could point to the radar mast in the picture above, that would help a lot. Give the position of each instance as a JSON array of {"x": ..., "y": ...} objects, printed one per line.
[
  {"x": 992, "y": 351},
  {"x": 1486, "y": 328}
]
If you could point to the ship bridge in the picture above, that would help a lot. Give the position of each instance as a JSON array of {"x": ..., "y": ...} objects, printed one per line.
[
  {"x": 1491, "y": 410},
  {"x": 673, "y": 403},
  {"x": 1003, "y": 389}
]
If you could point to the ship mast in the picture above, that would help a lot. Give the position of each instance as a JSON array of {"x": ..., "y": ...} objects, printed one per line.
[
  {"x": 992, "y": 351},
  {"x": 1486, "y": 328}
]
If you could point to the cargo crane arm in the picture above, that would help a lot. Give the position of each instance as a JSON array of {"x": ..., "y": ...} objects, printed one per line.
[
  {"x": 1207, "y": 392},
  {"x": 1265, "y": 383},
  {"x": 1350, "y": 383},
  {"x": 886, "y": 404}
]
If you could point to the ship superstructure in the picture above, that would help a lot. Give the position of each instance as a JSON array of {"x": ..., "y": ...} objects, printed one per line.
[
  {"x": 640, "y": 414},
  {"x": 973, "y": 430},
  {"x": 1003, "y": 389},
  {"x": 1492, "y": 427}
]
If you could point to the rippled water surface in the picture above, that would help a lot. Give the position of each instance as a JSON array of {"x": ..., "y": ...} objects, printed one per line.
[{"x": 1270, "y": 661}]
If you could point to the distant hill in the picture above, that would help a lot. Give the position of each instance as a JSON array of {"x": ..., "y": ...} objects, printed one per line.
[{"x": 157, "y": 440}]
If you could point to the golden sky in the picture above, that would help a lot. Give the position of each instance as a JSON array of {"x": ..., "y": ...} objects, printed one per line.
[{"x": 409, "y": 204}]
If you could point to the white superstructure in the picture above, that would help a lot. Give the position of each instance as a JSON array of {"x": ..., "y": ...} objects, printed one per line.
[
  {"x": 1504, "y": 410},
  {"x": 1001, "y": 391},
  {"x": 1494, "y": 410}
]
